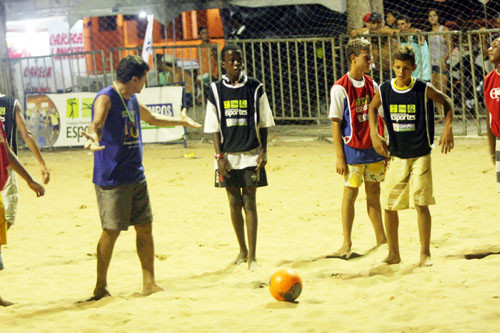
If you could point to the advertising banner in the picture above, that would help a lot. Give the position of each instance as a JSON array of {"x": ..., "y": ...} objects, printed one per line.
[{"x": 57, "y": 120}]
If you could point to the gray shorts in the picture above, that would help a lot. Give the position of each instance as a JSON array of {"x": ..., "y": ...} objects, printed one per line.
[{"x": 124, "y": 205}]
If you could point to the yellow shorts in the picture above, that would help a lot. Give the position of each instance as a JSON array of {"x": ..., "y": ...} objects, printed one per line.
[
  {"x": 404, "y": 173},
  {"x": 370, "y": 172},
  {"x": 3, "y": 224}
]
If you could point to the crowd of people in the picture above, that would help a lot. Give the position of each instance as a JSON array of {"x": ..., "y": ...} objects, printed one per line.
[{"x": 438, "y": 52}]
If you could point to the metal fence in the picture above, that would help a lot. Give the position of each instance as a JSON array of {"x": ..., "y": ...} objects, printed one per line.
[{"x": 297, "y": 73}]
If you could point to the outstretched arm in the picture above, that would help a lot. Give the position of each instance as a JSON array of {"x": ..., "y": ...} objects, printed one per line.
[
  {"x": 21, "y": 171},
  {"x": 161, "y": 120},
  {"x": 446, "y": 140},
  {"x": 378, "y": 142},
  {"x": 30, "y": 141}
]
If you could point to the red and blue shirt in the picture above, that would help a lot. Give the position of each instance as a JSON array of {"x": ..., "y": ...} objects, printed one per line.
[{"x": 349, "y": 103}]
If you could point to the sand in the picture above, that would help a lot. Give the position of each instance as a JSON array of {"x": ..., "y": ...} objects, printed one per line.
[{"x": 50, "y": 258}]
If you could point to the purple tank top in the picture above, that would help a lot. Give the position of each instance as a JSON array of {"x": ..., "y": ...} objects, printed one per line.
[{"x": 121, "y": 161}]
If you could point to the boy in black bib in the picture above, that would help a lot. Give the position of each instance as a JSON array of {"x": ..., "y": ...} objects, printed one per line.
[
  {"x": 409, "y": 117},
  {"x": 238, "y": 115}
]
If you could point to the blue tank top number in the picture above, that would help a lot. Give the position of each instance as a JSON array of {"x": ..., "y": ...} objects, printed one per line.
[{"x": 163, "y": 109}]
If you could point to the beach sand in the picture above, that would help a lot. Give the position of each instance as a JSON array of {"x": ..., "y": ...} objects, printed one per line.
[{"x": 50, "y": 256}]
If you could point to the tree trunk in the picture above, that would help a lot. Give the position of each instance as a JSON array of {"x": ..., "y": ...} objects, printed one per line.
[{"x": 6, "y": 83}]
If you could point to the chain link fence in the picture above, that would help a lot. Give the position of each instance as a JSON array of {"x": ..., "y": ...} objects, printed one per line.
[{"x": 296, "y": 51}]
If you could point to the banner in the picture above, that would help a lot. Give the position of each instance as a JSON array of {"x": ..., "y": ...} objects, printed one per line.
[
  {"x": 57, "y": 120},
  {"x": 147, "y": 48}
]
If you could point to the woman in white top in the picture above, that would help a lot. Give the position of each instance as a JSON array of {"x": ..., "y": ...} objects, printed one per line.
[{"x": 439, "y": 45}]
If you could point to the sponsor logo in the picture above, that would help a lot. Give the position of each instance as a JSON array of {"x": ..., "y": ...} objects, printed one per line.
[
  {"x": 163, "y": 109},
  {"x": 495, "y": 94}
]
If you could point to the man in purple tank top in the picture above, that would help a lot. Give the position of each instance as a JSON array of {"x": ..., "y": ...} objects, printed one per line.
[{"x": 121, "y": 189}]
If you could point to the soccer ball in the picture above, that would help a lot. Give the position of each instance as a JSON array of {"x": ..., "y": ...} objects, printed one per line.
[{"x": 285, "y": 285}]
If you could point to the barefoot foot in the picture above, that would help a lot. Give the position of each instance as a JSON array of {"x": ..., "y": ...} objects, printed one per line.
[
  {"x": 99, "y": 293},
  {"x": 252, "y": 265},
  {"x": 151, "y": 289},
  {"x": 425, "y": 260},
  {"x": 241, "y": 258},
  {"x": 392, "y": 258},
  {"x": 344, "y": 251}
]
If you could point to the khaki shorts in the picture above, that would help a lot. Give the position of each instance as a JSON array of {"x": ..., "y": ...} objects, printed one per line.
[
  {"x": 406, "y": 173},
  {"x": 370, "y": 172},
  {"x": 124, "y": 205}
]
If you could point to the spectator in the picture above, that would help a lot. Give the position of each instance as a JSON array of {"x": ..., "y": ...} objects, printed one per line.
[
  {"x": 177, "y": 74},
  {"x": 364, "y": 29},
  {"x": 209, "y": 69},
  {"x": 423, "y": 70},
  {"x": 439, "y": 51},
  {"x": 390, "y": 19},
  {"x": 381, "y": 46}
]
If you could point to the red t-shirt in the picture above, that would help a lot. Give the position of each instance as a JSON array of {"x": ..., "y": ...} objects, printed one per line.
[{"x": 492, "y": 100}]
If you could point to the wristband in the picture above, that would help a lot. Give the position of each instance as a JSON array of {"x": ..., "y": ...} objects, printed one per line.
[{"x": 219, "y": 156}]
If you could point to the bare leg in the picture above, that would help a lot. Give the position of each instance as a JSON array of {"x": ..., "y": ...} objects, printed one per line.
[
  {"x": 146, "y": 252},
  {"x": 348, "y": 200},
  {"x": 424, "y": 231},
  {"x": 250, "y": 206},
  {"x": 104, "y": 253},
  {"x": 391, "y": 229},
  {"x": 235, "y": 205},
  {"x": 372, "y": 190}
]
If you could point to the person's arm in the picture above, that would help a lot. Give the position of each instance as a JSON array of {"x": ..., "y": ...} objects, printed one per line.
[
  {"x": 491, "y": 139},
  {"x": 340, "y": 164},
  {"x": 222, "y": 164},
  {"x": 378, "y": 142},
  {"x": 266, "y": 120},
  {"x": 387, "y": 30},
  {"x": 30, "y": 141},
  {"x": 21, "y": 171},
  {"x": 161, "y": 120},
  {"x": 446, "y": 140},
  {"x": 94, "y": 133},
  {"x": 262, "y": 158},
  {"x": 336, "y": 114},
  {"x": 359, "y": 31}
]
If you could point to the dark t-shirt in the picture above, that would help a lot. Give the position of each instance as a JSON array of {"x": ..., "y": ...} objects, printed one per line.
[
  {"x": 121, "y": 161},
  {"x": 409, "y": 117}
]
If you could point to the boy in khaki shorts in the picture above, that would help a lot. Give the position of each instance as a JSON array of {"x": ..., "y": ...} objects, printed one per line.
[
  {"x": 356, "y": 158},
  {"x": 409, "y": 116}
]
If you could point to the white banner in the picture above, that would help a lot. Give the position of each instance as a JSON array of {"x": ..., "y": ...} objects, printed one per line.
[
  {"x": 147, "y": 48},
  {"x": 57, "y": 120}
]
